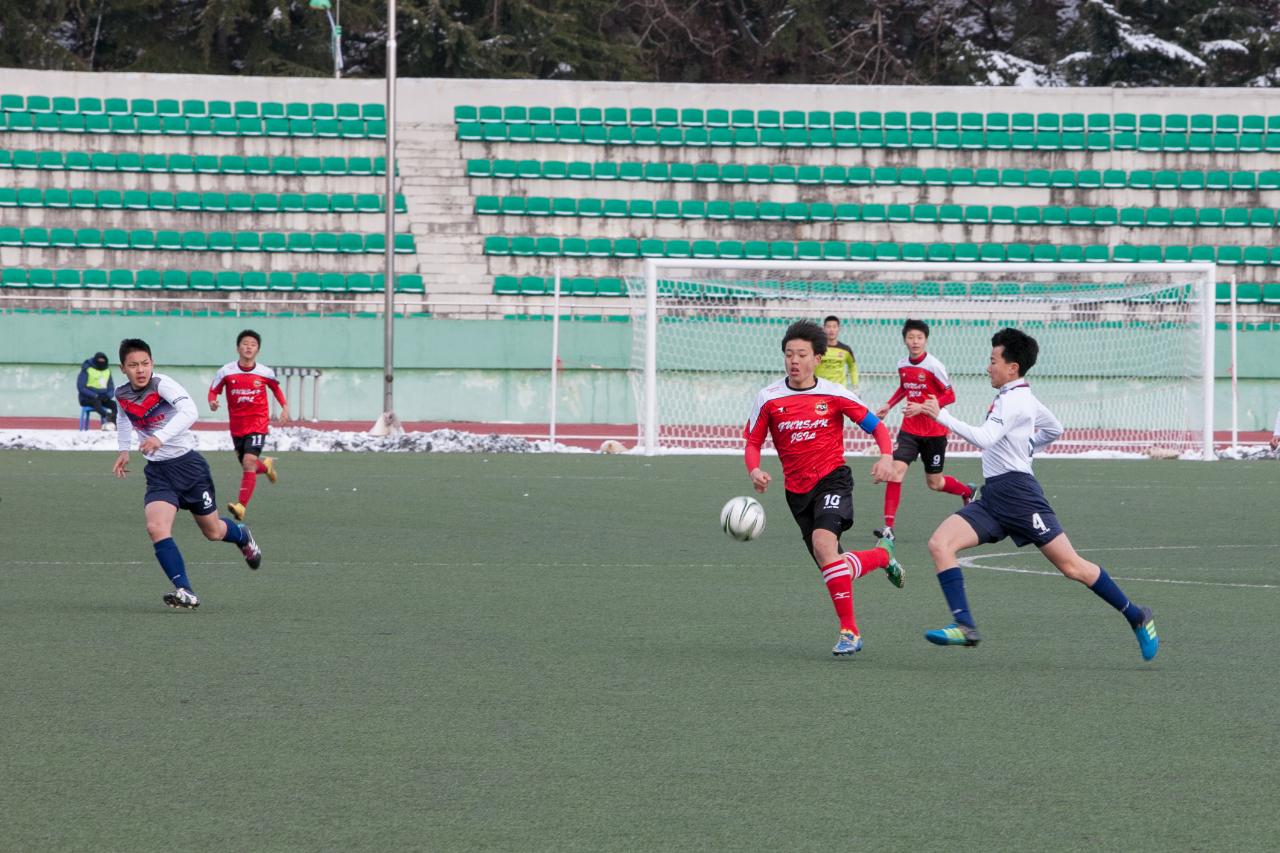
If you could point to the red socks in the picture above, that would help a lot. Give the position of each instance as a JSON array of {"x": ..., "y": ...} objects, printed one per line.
[
  {"x": 952, "y": 486},
  {"x": 248, "y": 480},
  {"x": 865, "y": 562},
  {"x": 262, "y": 469},
  {"x": 892, "y": 495},
  {"x": 839, "y": 580}
]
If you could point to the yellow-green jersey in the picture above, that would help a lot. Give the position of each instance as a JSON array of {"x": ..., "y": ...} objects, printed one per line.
[{"x": 839, "y": 366}]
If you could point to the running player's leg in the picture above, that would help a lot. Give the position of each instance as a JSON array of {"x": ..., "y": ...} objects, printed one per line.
[
  {"x": 160, "y": 514},
  {"x": 1065, "y": 558},
  {"x": 934, "y": 455},
  {"x": 248, "y": 450},
  {"x": 199, "y": 499},
  {"x": 956, "y": 533},
  {"x": 893, "y": 491}
]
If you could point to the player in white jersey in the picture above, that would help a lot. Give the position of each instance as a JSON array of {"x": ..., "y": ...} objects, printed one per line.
[
  {"x": 161, "y": 412},
  {"x": 1011, "y": 502}
]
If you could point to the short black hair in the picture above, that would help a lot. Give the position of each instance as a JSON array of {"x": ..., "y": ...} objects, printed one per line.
[
  {"x": 248, "y": 333},
  {"x": 915, "y": 325},
  {"x": 1019, "y": 347},
  {"x": 805, "y": 330},
  {"x": 129, "y": 345},
  {"x": 830, "y": 318}
]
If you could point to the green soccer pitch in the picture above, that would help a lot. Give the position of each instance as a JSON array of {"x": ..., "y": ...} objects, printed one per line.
[{"x": 564, "y": 653}]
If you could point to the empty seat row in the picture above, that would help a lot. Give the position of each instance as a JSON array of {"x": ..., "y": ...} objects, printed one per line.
[
  {"x": 226, "y": 280},
  {"x": 201, "y": 241},
  {"x": 837, "y": 175},
  {"x": 333, "y": 128},
  {"x": 1249, "y": 294},
  {"x": 536, "y": 285},
  {"x": 728, "y": 137},
  {"x": 209, "y": 202},
  {"x": 864, "y": 119},
  {"x": 191, "y": 107},
  {"x": 209, "y": 164},
  {"x": 972, "y": 214},
  {"x": 602, "y": 247}
]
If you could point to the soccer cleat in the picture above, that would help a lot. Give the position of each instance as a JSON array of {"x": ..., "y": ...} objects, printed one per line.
[
  {"x": 885, "y": 532},
  {"x": 954, "y": 634},
  {"x": 182, "y": 599},
  {"x": 847, "y": 644},
  {"x": 269, "y": 462},
  {"x": 894, "y": 571},
  {"x": 237, "y": 510},
  {"x": 973, "y": 493},
  {"x": 1148, "y": 639},
  {"x": 252, "y": 553}
]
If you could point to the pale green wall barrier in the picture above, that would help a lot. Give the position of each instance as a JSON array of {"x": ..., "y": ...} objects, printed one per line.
[{"x": 484, "y": 370}]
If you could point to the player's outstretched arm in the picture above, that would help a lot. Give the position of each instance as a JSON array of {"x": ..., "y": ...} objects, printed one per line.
[{"x": 121, "y": 467}]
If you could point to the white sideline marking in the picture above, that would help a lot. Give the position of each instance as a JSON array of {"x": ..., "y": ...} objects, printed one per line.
[{"x": 972, "y": 563}]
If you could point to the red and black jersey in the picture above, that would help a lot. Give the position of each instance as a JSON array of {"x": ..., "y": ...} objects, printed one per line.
[
  {"x": 807, "y": 428},
  {"x": 917, "y": 382},
  {"x": 247, "y": 402}
]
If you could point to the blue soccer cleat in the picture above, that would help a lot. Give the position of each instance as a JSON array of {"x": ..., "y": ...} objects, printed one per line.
[
  {"x": 1148, "y": 639},
  {"x": 954, "y": 634},
  {"x": 847, "y": 645},
  {"x": 973, "y": 493},
  {"x": 894, "y": 571}
]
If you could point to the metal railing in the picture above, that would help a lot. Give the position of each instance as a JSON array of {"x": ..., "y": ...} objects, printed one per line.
[{"x": 301, "y": 378}]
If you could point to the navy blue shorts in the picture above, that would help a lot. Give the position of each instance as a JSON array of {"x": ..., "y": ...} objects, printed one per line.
[
  {"x": 1012, "y": 505},
  {"x": 184, "y": 482}
]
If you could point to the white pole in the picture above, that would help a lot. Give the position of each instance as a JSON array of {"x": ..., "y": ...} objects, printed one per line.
[
  {"x": 389, "y": 258},
  {"x": 1210, "y": 289},
  {"x": 650, "y": 358},
  {"x": 1235, "y": 389},
  {"x": 555, "y": 356}
]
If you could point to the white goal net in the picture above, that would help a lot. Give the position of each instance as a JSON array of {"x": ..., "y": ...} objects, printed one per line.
[{"x": 1126, "y": 350}]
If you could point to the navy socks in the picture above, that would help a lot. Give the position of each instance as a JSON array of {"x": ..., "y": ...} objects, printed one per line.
[
  {"x": 952, "y": 582},
  {"x": 1105, "y": 588},
  {"x": 234, "y": 534},
  {"x": 171, "y": 561}
]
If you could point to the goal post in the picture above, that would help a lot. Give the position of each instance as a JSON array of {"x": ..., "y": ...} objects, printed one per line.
[{"x": 1127, "y": 358}]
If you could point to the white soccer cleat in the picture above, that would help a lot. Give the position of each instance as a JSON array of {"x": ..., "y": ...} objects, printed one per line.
[{"x": 182, "y": 599}]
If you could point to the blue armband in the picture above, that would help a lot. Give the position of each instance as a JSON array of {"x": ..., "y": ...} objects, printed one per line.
[{"x": 869, "y": 423}]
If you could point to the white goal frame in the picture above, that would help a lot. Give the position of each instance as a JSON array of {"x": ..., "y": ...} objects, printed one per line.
[{"x": 1207, "y": 286}]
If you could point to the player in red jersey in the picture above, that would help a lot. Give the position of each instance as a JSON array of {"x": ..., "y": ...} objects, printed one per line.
[
  {"x": 247, "y": 382},
  {"x": 920, "y": 376},
  {"x": 805, "y": 417}
]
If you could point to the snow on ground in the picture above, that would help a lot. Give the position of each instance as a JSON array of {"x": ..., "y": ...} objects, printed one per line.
[{"x": 300, "y": 438}]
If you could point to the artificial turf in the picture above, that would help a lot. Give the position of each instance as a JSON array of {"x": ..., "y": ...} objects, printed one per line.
[{"x": 564, "y": 653}]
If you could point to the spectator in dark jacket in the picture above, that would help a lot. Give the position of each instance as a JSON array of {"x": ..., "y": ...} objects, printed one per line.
[{"x": 97, "y": 390}]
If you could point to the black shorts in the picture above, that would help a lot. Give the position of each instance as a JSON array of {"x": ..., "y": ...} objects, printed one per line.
[
  {"x": 932, "y": 449},
  {"x": 251, "y": 444},
  {"x": 184, "y": 482},
  {"x": 827, "y": 506},
  {"x": 1012, "y": 505}
]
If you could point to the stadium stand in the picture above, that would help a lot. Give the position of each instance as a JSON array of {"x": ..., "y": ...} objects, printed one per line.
[{"x": 120, "y": 184}]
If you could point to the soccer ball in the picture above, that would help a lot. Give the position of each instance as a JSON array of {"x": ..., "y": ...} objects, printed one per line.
[{"x": 743, "y": 518}]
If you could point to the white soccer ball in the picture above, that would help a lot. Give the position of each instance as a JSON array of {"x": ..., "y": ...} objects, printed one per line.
[{"x": 743, "y": 518}]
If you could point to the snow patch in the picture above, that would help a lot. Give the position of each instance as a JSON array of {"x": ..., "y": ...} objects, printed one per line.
[
  {"x": 302, "y": 439},
  {"x": 1222, "y": 46}
]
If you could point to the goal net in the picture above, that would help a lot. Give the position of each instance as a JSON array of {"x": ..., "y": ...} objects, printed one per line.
[{"x": 1126, "y": 350}]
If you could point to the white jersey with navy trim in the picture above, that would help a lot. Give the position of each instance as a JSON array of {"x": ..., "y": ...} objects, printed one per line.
[
  {"x": 1017, "y": 425},
  {"x": 161, "y": 409}
]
